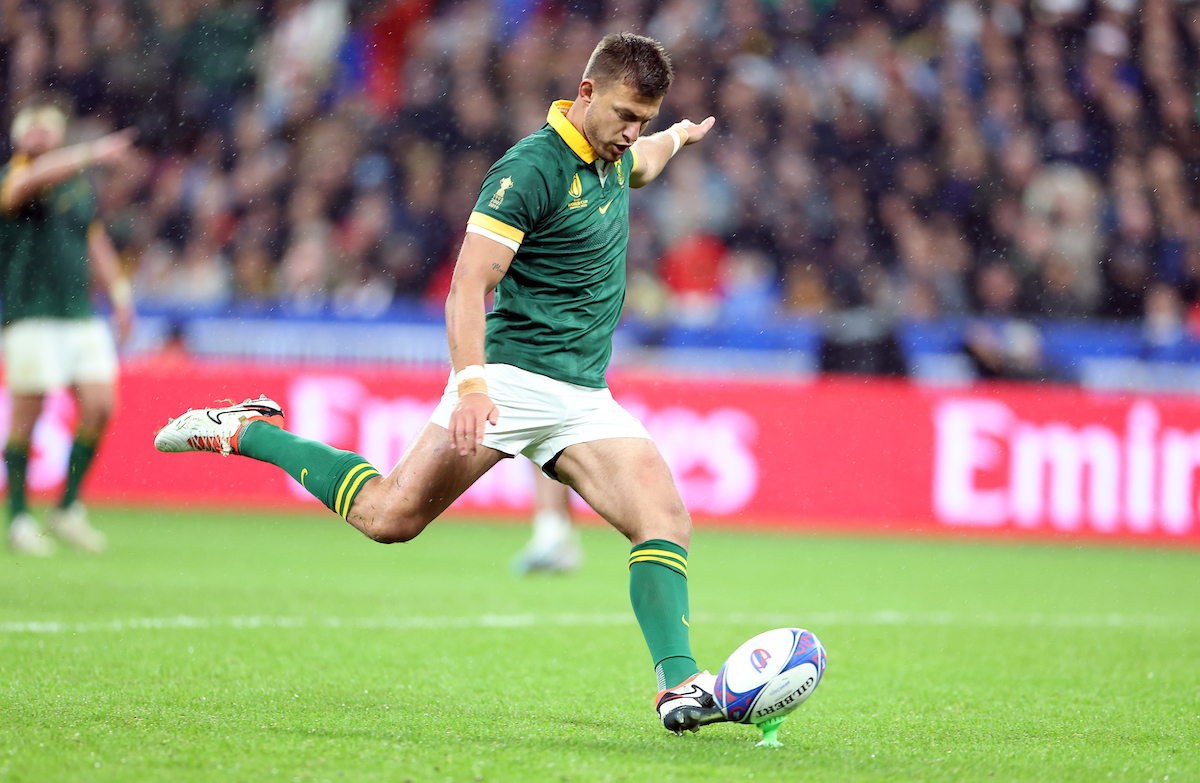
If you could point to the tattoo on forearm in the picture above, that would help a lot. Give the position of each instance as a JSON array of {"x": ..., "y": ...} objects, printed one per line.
[{"x": 497, "y": 267}]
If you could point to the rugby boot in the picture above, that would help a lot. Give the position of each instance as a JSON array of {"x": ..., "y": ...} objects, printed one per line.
[
  {"x": 689, "y": 705},
  {"x": 25, "y": 537},
  {"x": 559, "y": 553},
  {"x": 71, "y": 525},
  {"x": 215, "y": 429}
]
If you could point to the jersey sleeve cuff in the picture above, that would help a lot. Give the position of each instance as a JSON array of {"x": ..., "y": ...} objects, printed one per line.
[
  {"x": 15, "y": 165},
  {"x": 473, "y": 228},
  {"x": 635, "y": 159},
  {"x": 496, "y": 226}
]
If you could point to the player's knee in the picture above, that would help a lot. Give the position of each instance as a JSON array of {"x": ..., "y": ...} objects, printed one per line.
[
  {"x": 92, "y": 426},
  {"x": 678, "y": 527},
  {"x": 672, "y": 513},
  {"x": 94, "y": 412},
  {"x": 391, "y": 530},
  {"x": 396, "y": 523},
  {"x": 671, "y": 523},
  {"x": 390, "y": 533}
]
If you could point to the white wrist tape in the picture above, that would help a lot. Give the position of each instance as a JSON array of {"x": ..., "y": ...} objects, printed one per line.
[
  {"x": 467, "y": 373},
  {"x": 677, "y": 137},
  {"x": 121, "y": 292}
]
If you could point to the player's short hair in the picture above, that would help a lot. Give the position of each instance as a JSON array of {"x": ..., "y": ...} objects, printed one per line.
[
  {"x": 636, "y": 60},
  {"x": 38, "y": 114}
]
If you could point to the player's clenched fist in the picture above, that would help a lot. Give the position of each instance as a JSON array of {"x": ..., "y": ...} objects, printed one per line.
[{"x": 468, "y": 421}]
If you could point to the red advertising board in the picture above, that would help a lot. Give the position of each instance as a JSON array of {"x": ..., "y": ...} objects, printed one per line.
[{"x": 848, "y": 453}]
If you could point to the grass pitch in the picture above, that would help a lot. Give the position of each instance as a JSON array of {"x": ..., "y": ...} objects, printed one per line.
[{"x": 253, "y": 647}]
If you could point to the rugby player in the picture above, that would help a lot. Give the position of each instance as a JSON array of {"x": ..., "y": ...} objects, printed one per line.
[
  {"x": 548, "y": 234},
  {"x": 49, "y": 240}
]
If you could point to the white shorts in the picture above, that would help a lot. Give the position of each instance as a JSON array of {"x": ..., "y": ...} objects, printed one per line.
[
  {"x": 41, "y": 354},
  {"x": 540, "y": 416}
]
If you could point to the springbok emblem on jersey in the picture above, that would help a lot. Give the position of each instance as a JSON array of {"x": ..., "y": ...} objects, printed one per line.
[
  {"x": 576, "y": 187},
  {"x": 498, "y": 196}
]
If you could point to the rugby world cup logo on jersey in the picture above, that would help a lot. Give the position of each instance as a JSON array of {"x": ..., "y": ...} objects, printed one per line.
[
  {"x": 498, "y": 196},
  {"x": 575, "y": 191}
]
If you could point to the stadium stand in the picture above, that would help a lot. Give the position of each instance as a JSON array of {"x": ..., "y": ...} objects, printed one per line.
[{"x": 947, "y": 189}]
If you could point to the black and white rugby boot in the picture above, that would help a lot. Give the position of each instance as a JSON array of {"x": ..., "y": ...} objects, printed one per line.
[{"x": 689, "y": 705}]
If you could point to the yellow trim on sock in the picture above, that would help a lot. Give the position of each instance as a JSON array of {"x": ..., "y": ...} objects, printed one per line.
[
  {"x": 662, "y": 560},
  {"x": 354, "y": 489},
  {"x": 337, "y": 504},
  {"x": 661, "y": 552}
]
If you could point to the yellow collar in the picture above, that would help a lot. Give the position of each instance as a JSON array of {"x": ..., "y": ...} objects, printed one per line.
[{"x": 557, "y": 117}]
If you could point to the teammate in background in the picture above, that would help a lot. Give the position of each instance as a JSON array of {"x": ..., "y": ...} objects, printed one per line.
[
  {"x": 52, "y": 336},
  {"x": 548, "y": 234},
  {"x": 555, "y": 543}
]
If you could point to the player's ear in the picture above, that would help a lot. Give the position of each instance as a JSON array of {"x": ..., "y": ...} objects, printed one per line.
[{"x": 587, "y": 90}]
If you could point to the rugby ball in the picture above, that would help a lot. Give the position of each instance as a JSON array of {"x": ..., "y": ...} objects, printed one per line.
[{"x": 770, "y": 675}]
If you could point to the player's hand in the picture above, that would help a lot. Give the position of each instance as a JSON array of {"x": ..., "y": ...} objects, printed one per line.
[
  {"x": 469, "y": 420},
  {"x": 695, "y": 132},
  {"x": 114, "y": 147}
]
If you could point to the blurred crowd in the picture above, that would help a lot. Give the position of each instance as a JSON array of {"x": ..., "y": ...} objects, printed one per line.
[{"x": 909, "y": 159}]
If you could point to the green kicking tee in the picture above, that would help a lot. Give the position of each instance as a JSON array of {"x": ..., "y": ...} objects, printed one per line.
[
  {"x": 43, "y": 251},
  {"x": 566, "y": 214}
]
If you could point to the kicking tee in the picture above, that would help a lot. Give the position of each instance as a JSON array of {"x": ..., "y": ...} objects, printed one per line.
[
  {"x": 43, "y": 251},
  {"x": 566, "y": 214}
]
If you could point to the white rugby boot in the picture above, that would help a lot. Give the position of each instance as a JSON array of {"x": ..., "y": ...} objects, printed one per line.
[
  {"x": 554, "y": 548},
  {"x": 25, "y": 537},
  {"x": 71, "y": 525},
  {"x": 215, "y": 429},
  {"x": 690, "y": 704}
]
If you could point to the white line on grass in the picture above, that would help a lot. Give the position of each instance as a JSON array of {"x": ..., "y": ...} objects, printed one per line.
[{"x": 810, "y": 620}]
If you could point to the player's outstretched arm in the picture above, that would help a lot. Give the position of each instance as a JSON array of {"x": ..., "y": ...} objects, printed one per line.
[
  {"x": 106, "y": 269},
  {"x": 655, "y": 150},
  {"x": 481, "y": 265},
  {"x": 53, "y": 167}
]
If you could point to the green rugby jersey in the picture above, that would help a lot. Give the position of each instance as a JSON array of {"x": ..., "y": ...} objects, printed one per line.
[
  {"x": 566, "y": 213},
  {"x": 43, "y": 251}
]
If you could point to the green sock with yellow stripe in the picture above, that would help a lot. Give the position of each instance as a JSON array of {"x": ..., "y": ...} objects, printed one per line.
[
  {"x": 333, "y": 476},
  {"x": 659, "y": 594}
]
